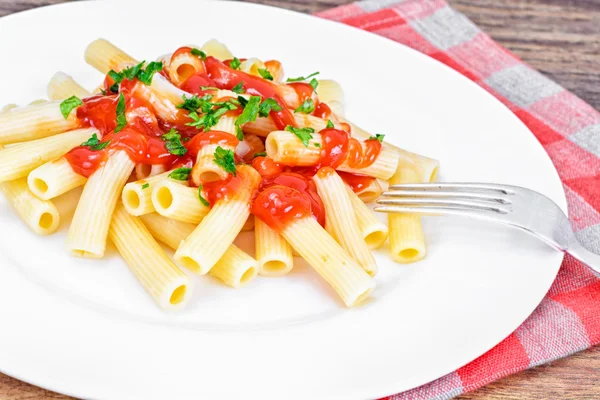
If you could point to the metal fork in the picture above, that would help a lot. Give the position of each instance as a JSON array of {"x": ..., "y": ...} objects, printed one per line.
[{"x": 515, "y": 206}]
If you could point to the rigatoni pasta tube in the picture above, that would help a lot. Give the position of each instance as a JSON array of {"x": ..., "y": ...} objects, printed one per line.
[
  {"x": 288, "y": 149},
  {"x": 235, "y": 268},
  {"x": 209, "y": 241},
  {"x": 137, "y": 196},
  {"x": 331, "y": 93},
  {"x": 370, "y": 192},
  {"x": 54, "y": 178},
  {"x": 407, "y": 241},
  {"x": 331, "y": 262},
  {"x": 41, "y": 216},
  {"x": 89, "y": 228},
  {"x": 217, "y": 49},
  {"x": 273, "y": 253},
  {"x": 206, "y": 169},
  {"x": 18, "y": 160},
  {"x": 63, "y": 86},
  {"x": 104, "y": 56},
  {"x": 264, "y": 126},
  {"x": 143, "y": 171},
  {"x": 341, "y": 223},
  {"x": 373, "y": 231},
  {"x": 34, "y": 122},
  {"x": 168, "y": 285},
  {"x": 174, "y": 199},
  {"x": 184, "y": 64}
]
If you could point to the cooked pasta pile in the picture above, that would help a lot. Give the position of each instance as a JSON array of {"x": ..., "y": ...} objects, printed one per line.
[{"x": 194, "y": 148}]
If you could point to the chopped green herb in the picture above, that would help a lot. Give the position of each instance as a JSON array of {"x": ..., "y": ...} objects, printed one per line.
[
  {"x": 145, "y": 186},
  {"x": 306, "y": 107},
  {"x": 235, "y": 63},
  {"x": 304, "y": 134},
  {"x": 199, "y": 53},
  {"x": 121, "y": 119},
  {"x": 94, "y": 143},
  {"x": 239, "y": 88},
  {"x": 318, "y": 145},
  {"x": 211, "y": 115},
  {"x": 103, "y": 92},
  {"x": 330, "y": 124},
  {"x": 302, "y": 78},
  {"x": 208, "y": 88},
  {"x": 117, "y": 78},
  {"x": 224, "y": 159},
  {"x": 262, "y": 154},
  {"x": 173, "y": 142},
  {"x": 180, "y": 174},
  {"x": 378, "y": 137},
  {"x": 250, "y": 112},
  {"x": 243, "y": 101},
  {"x": 202, "y": 199},
  {"x": 265, "y": 74},
  {"x": 69, "y": 104},
  {"x": 132, "y": 72},
  {"x": 145, "y": 75},
  {"x": 314, "y": 83},
  {"x": 268, "y": 105},
  {"x": 191, "y": 103}
]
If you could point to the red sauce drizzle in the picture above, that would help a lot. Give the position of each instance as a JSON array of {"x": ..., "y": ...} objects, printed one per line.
[
  {"x": 300, "y": 183},
  {"x": 225, "y": 189},
  {"x": 322, "y": 111},
  {"x": 266, "y": 166},
  {"x": 338, "y": 147},
  {"x": 278, "y": 205},
  {"x": 358, "y": 183},
  {"x": 303, "y": 90},
  {"x": 211, "y": 137}
]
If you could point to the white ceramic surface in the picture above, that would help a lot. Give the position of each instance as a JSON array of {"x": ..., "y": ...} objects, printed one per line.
[{"x": 86, "y": 328}]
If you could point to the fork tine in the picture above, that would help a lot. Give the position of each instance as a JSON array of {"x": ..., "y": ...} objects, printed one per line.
[
  {"x": 426, "y": 210},
  {"x": 503, "y": 189},
  {"x": 491, "y": 197},
  {"x": 467, "y": 204}
]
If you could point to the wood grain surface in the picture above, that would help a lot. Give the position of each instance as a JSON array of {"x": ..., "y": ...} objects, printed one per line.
[{"x": 560, "y": 38}]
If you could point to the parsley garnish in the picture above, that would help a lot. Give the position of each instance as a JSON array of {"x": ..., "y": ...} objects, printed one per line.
[
  {"x": 121, "y": 119},
  {"x": 132, "y": 72},
  {"x": 69, "y": 104},
  {"x": 318, "y": 145},
  {"x": 103, "y": 92},
  {"x": 192, "y": 103},
  {"x": 145, "y": 76},
  {"x": 235, "y": 63},
  {"x": 314, "y": 83},
  {"x": 211, "y": 115},
  {"x": 117, "y": 78},
  {"x": 180, "y": 174},
  {"x": 202, "y": 199},
  {"x": 330, "y": 124},
  {"x": 199, "y": 53},
  {"x": 306, "y": 107},
  {"x": 239, "y": 88},
  {"x": 378, "y": 137},
  {"x": 173, "y": 142},
  {"x": 208, "y": 88},
  {"x": 265, "y": 74},
  {"x": 251, "y": 109},
  {"x": 94, "y": 143},
  {"x": 145, "y": 186},
  {"x": 304, "y": 134},
  {"x": 302, "y": 78},
  {"x": 262, "y": 154},
  {"x": 224, "y": 159},
  {"x": 268, "y": 105}
]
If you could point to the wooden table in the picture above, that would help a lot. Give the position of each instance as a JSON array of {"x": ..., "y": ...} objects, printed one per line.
[{"x": 560, "y": 38}]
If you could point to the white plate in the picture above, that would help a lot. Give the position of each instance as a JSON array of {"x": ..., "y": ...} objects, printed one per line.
[{"x": 86, "y": 328}]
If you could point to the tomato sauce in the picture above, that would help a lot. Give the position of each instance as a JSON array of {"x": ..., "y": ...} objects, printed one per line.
[
  {"x": 302, "y": 184},
  {"x": 267, "y": 166},
  {"x": 210, "y": 137},
  {"x": 338, "y": 147},
  {"x": 358, "y": 183},
  {"x": 278, "y": 206},
  {"x": 303, "y": 90},
  {"x": 225, "y": 189},
  {"x": 322, "y": 111}
]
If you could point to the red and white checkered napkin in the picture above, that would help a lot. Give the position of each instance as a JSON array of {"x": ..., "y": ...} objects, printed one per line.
[{"x": 568, "y": 319}]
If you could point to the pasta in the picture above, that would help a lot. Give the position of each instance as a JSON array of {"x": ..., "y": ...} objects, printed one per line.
[
  {"x": 18, "y": 160},
  {"x": 89, "y": 228},
  {"x": 196, "y": 147},
  {"x": 341, "y": 220},
  {"x": 163, "y": 280},
  {"x": 209, "y": 241}
]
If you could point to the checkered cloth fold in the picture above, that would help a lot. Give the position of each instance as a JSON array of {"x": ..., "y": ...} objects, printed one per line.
[{"x": 568, "y": 319}]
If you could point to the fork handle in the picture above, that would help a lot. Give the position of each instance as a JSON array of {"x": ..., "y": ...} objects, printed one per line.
[{"x": 592, "y": 260}]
